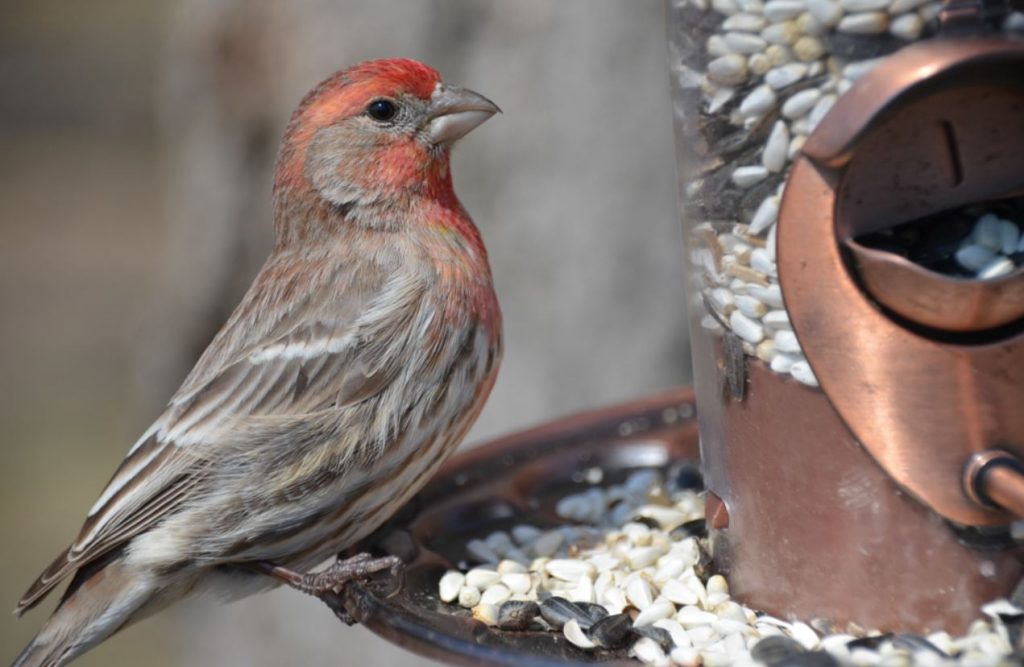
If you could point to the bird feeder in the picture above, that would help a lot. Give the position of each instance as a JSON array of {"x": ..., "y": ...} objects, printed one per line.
[{"x": 860, "y": 390}]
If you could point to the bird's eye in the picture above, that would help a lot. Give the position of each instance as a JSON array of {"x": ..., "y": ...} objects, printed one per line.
[{"x": 382, "y": 110}]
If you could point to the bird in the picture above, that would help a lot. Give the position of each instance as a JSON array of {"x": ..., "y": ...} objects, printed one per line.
[{"x": 355, "y": 363}]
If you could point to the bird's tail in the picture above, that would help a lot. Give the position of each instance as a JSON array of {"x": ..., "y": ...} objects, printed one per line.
[{"x": 97, "y": 604}]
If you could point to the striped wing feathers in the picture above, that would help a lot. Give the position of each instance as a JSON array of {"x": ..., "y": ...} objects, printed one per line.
[{"x": 314, "y": 365}]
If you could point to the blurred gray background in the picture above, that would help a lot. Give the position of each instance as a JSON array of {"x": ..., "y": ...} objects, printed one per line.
[{"x": 136, "y": 148}]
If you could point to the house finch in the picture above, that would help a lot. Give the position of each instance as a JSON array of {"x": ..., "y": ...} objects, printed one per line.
[{"x": 355, "y": 363}]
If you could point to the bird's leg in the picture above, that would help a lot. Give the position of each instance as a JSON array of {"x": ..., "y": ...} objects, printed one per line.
[{"x": 327, "y": 583}]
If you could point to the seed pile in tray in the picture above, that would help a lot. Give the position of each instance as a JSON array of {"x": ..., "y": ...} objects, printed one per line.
[
  {"x": 983, "y": 246},
  {"x": 631, "y": 571},
  {"x": 754, "y": 78}
]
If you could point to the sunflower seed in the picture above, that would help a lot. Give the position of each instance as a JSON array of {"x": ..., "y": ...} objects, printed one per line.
[
  {"x": 594, "y": 612},
  {"x": 574, "y": 633},
  {"x": 783, "y": 363},
  {"x": 728, "y": 70},
  {"x": 499, "y": 542},
  {"x": 486, "y": 613},
  {"x": 482, "y": 578},
  {"x": 450, "y": 585},
  {"x": 808, "y": 48},
  {"x": 558, "y": 611},
  {"x": 801, "y": 372},
  {"x": 868, "y": 23},
  {"x": 716, "y": 46},
  {"x": 721, "y": 97},
  {"x": 774, "y": 159},
  {"x": 779, "y": 54},
  {"x": 809, "y": 24},
  {"x": 800, "y": 103},
  {"x": 653, "y": 632},
  {"x": 745, "y": 22},
  {"x": 773, "y": 650},
  {"x": 786, "y": 341},
  {"x": 744, "y": 42},
  {"x": 675, "y": 631},
  {"x": 692, "y": 616},
  {"x": 667, "y": 518},
  {"x": 655, "y": 612},
  {"x": 756, "y": 104},
  {"x": 804, "y": 634},
  {"x": 1009, "y": 237},
  {"x": 611, "y": 631},
  {"x": 856, "y": 70},
  {"x": 974, "y": 257},
  {"x": 746, "y": 328},
  {"x": 786, "y": 32},
  {"x": 770, "y": 295},
  {"x": 717, "y": 584},
  {"x": 987, "y": 232},
  {"x": 548, "y": 543},
  {"x": 760, "y": 261},
  {"x": 648, "y": 651},
  {"x": 614, "y": 600},
  {"x": 481, "y": 552},
  {"x": 469, "y": 596},
  {"x": 669, "y": 568},
  {"x": 751, "y": 307},
  {"x": 495, "y": 595},
  {"x": 524, "y": 535},
  {"x": 745, "y": 177},
  {"x": 908, "y": 27},
  {"x": 997, "y": 267},
  {"x": 582, "y": 591},
  {"x": 639, "y": 593},
  {"x": 826, "y": 11},
  {"x": 759, "y": 64},
  {"x": 517, "y": 614},
  {"x": 519, "y": 583},
  {"x": 685, "y": 655},
  {"x": 783, "y": 10},
  {"x": 511, "y": 567}
]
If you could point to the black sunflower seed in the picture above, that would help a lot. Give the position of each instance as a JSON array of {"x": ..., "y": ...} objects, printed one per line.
[
  {"x": 558, "y": 611},
  {"x": 611, "y": 631},
  {"x": 773, "y": 650},
  {"x": 517, "y": 614}
]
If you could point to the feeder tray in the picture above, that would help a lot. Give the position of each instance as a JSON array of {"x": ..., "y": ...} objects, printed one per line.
[{"x": 513, "y": 480}]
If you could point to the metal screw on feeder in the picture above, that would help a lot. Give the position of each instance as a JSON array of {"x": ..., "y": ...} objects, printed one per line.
[{"x": 993, "y": 479}]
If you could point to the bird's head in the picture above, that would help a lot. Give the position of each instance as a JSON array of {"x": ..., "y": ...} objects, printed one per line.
[{"x": 375, "y": 134}]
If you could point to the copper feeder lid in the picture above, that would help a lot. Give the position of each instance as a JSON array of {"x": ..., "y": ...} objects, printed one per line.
[{"x": 926, "y": 370}]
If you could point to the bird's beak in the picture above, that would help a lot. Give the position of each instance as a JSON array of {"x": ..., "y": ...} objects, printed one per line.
[{"x": 454, "y": 111}]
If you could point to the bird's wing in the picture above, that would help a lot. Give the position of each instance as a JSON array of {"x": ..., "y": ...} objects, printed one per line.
[{"x": 315, "y": 362}]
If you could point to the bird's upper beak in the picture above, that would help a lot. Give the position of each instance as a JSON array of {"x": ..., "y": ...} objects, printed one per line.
[{"x": 454, "y": 111}]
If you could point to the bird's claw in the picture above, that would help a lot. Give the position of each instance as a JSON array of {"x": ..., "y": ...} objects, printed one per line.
[{"x": 341, "y": 572}]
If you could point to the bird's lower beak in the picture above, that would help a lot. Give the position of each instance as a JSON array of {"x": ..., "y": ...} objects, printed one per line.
[{"x": 454, "y": 111}]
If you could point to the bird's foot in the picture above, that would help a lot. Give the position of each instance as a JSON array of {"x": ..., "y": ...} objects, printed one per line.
[
  {"x": 328, "y": 583},
  {"x": 341, "y": 572}
]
